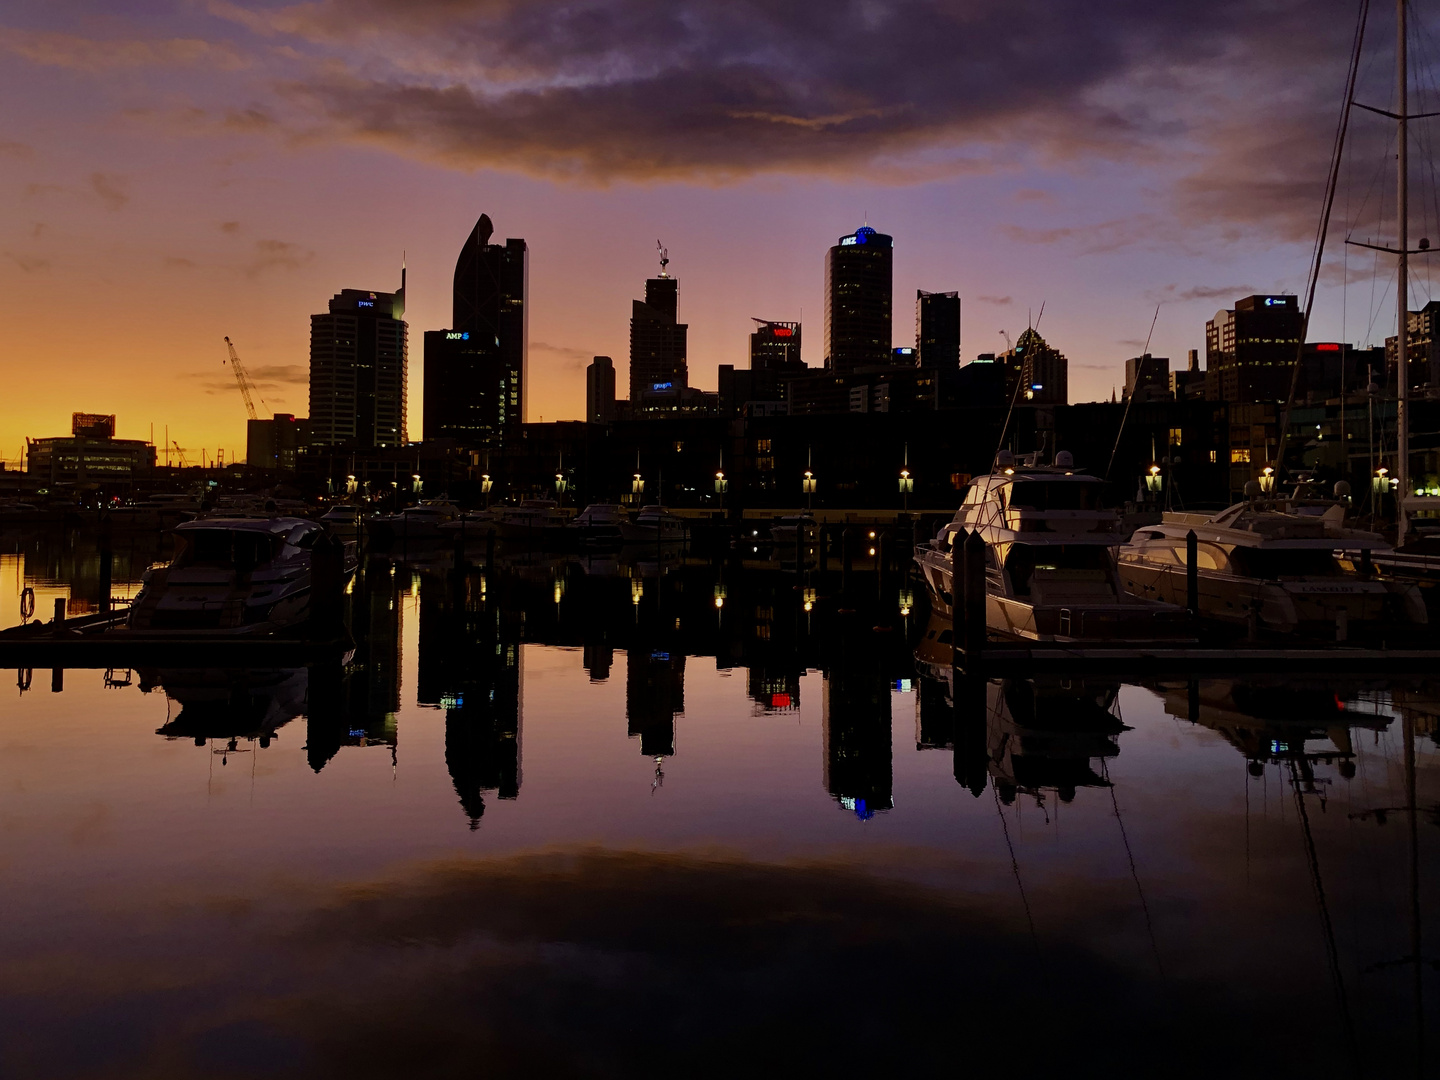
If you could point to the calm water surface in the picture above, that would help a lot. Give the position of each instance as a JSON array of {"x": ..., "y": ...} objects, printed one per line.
[{"x": 568, "y": 819}]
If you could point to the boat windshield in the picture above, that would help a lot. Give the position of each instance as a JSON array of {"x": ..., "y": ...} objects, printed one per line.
[
  {"x": 226, "y": 548},
  {"x": 1089, "y": 560},
  {"x": 1059, "y": 495}
]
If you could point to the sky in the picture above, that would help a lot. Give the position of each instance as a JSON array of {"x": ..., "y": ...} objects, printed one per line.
[{"x": 176, "y": 171}]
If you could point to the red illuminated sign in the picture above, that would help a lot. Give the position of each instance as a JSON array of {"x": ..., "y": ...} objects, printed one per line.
[
  {"x": 779, "y": 701},
  {"x": 1327, "y": 347},
  {"x": 783, "y": 331}
]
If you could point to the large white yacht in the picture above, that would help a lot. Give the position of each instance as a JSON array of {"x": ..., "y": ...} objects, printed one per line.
[
  {"x": 419, "y": 522},
  {"x": 1269, "y": 563},
  {"x": 1050, "y": 558},
  {"x": 655, "y": 524},
  {"x": 534, "y": 521},
  {"x": 232, "y": 576},
  {"x": 600, "y": 523}
]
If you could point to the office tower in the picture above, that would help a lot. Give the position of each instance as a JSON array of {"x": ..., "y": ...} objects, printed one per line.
[
  {"x": 937, "y": 329},
  {"x": 1250, "y": 349},
  {"x": 276, "y": 443},
  {"x": 657, "y": 341},
  {"x": 1035, "y": 372},
  {"x": 859, "y": 273},
  {"x": 476, "y": 372},
  {"x": 358, "y": 361},
  {"x": 600, "y": 391},
  {"x": 1147, "y": 378},
  {"x": 1423, "y": 346},
  {"x": 775, "y": 346}
]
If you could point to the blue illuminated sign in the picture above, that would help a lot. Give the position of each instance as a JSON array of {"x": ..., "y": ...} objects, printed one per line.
[
  {"x": 364, "y": 303},
  {"x": 661, "y": 386},
  {"x": 847, "y": 241},
  {"x": 1277, "y": 301}
]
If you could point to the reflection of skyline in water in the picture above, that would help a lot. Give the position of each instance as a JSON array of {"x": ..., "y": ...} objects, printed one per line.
[{"x": 1145, "y": 854}]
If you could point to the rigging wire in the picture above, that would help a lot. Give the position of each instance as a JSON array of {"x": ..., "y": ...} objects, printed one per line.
[
  {"x": 1131, "y": 399},
  {"x": 1323, "y": 228}
]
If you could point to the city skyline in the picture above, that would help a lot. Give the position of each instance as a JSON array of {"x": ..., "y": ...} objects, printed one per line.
[{"x": 159, "y": 176}]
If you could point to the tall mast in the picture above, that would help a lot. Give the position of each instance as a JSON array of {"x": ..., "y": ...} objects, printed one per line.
[{"x": 1402, "y": 287}]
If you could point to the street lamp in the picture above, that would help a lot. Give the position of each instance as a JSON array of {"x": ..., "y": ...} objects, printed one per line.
[
  {"x": 1154, "y": 482},
  {"x": 637, "y": 487},
  {"x": 1267, "y": 480},
  {"x": 416, "y": 483},
  {"x": 1380, "y": 485},
  {"x": 907, "y": 485},
  {"x": 350, "y": 484},
  {"x": 485, "y": 485},
  {"x": 807, "y": 485},
  {"x": 561, "y": 484}
]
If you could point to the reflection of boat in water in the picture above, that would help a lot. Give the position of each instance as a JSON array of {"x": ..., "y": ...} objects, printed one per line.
[
  {"x": 1050, "y": 559},
  {"x": 233, "y": 576},
  {"x": 538, "y": 522},
  {"x": 471, "y": 526},
  {"x": 1040, "y": 733},
  {"x": 1272, "y": 721},
  {"x": 655, "y": 524},
  {"x": 230, "y": 704},
  {"x": 1271, "y": 561}
]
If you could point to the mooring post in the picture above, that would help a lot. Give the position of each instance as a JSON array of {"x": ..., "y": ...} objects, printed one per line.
[
  {"x": 1192, "y": 574},
  {"x": 957, "y": 591},
  {"x": 800, "y": 546},
  {"x": 107, "y": 563},
  {"x": 327, "y": 588},
  {"x": 974, "y": 600},
  {"x": 59, "y": 623},
  {"x": 57, "y": 680}
]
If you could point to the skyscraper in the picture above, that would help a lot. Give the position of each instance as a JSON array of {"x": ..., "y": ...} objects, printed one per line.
[
  {"x": 1250, "y": 349},
  {"x": 859, "y": 278},
  {"x": 600, "y": 391},
  {"x": 775, "y": 347},
  {"x": 358, "y": 370},
  {"x": 476, "y": 371},
  {"x": 937, "y": 330},
  {"x": 657, "y": 341}
]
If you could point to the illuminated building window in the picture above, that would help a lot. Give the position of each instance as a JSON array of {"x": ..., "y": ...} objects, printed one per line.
[{"x": 1240, "y": 456}]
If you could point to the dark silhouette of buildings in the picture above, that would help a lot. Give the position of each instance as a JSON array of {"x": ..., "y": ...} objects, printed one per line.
[
  {"x": 1035, "y": 371},
  {"x": 1250, "y": 350},
  {"x": 90, "y": 455},
  {"x": 476, "y": 371},
  {"x": 1147, "y": 378},
  {"x": 276, "y": 443},
  {"x": 600, "y": 391},
  {"x": 358, "y": 370},
  {"x": 658, "y": 366},
  {"x": 775, "y": 347},
  {"x": 856, "y": 729},
  {"x": 937, "y": 330},
  {"x": 859, "y": 279},
  {"x": 1423, "y": 344}
]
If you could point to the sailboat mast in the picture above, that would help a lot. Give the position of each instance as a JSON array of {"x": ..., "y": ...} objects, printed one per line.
[{"x": 1402, "y": 288}]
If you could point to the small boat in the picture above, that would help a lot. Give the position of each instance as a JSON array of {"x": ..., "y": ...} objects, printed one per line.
[
  {"x": 232, "y": 577},
  {"x": 599, "y": 524},
  {"x": 1270, "y": 564},
  {"x": 415, "y": 523},
  {"x": 785, "y": 530},
  {"x": 155, "y": 512},
  {"x": 1050, "y": 559},
  {"x": 539, "y": 522},
  {"x": 655, "y": 525}
]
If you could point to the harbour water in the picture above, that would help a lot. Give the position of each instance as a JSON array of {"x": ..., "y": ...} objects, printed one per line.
[{"x": 568, "y": 816}]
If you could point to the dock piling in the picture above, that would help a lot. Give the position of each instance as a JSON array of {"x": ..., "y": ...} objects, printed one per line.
[
  {"x": 1192, "y": 574},
  {"x": 974, "y": 600},
  {"x": 59, "y": 614}
]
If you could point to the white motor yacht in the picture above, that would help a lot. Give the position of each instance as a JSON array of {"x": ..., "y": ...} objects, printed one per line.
[
  {"x": 785, "y": 529},
  {"x": 1270, "y": 564},
  {"x": 415, "y": 523},
  {"x": 232, "y": 576},
  {"x": 344, "y": 519},
  {"x": 600, "y": 523},
  {"x": 1050, "y": 558},
  {"x": 472, "y": 526},
  {"x": 538, "y": 522},
  {"x": 655, "y": 524}
]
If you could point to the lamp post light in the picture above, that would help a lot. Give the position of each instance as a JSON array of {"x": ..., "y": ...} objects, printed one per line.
[
  {"x": 721, "y": 486},
  {"x": 1380, "y": 484},
  {"x": 1154, "y": 482},
  {"x": 485, "y": 485},
  {"x": 637, "y": 487},
  {"x": 1267, "y": 480},
  {"x": 807, "y": 485},
  {"x": 561, "y": 485},
  {"x": 907, "y": 485},
  {"x": 416, "y": 483},
  {"x": 350, "y": 484}
]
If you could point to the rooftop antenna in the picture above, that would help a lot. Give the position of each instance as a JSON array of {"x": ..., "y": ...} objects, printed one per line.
[{"x": 664, "y": 258}]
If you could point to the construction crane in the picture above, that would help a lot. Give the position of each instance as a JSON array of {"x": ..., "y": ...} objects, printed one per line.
[
  {"x": 1009, "y": 345},
  {"x": 180, "y": 454},
  {"x": 241, "y": 378}
]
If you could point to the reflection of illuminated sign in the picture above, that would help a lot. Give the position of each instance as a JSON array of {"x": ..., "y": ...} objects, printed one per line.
[
  {"x": 780, "y": 701},
  {"x": 457, "y": 335}
]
